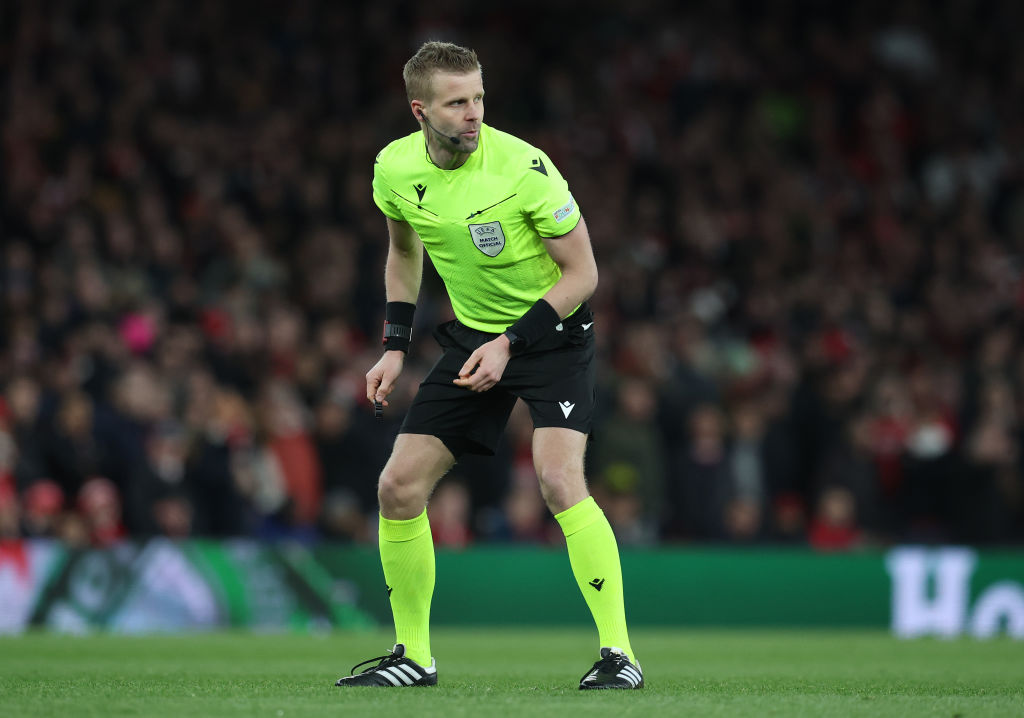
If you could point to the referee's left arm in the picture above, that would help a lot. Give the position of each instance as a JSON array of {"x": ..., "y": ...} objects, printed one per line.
[{"x": 575, "y": 257}]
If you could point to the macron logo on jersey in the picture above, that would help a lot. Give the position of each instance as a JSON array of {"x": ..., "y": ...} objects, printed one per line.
[{"x": 567, "y": 408}]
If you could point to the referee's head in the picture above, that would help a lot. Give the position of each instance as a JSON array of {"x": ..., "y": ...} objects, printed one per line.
[
  {"x": 433, "y": 57},
  {"x": 444, "y": 83}
]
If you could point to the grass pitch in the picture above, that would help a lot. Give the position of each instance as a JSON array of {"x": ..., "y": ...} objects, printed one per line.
[{"x": 513, "y": 673}]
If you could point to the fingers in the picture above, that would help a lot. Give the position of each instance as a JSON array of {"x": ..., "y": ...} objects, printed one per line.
[
  {"x": 372, "y": 383},
  {"x": 470, "y": 365},
  {"x": 381, "y": 379},
  {"x": 475, "y": 383},
  {"x": 480, "y": 372},
  {"x": 469, "y": 375},
  {"x": 387, "y": 385},
  {"x": 378, "y": 386}
]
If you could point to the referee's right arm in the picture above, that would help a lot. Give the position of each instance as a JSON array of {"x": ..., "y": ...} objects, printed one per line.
[
  {"x": 404, "y": 268},
  {"x": 402, "y": 275}
]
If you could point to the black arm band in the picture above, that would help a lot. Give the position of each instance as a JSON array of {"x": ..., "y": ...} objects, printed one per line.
[
  {"x": 539, "y": 320},
  {"x": 398, "y": 325}
]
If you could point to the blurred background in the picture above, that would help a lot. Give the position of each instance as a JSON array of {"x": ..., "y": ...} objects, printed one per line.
[{"x": 808, "y": 219}]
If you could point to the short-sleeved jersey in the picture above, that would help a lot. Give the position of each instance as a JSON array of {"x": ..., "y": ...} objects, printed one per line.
[{"x": 481, "y": 223}]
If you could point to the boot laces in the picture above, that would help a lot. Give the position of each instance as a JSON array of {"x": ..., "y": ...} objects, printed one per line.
[{"x": 387, "y": 660}]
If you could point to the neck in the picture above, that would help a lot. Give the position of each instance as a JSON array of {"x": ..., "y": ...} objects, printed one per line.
[{"x": 442, "y": 155}]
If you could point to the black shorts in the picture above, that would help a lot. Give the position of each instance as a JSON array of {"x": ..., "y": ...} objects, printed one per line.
[{"x": 555, "y": 378}]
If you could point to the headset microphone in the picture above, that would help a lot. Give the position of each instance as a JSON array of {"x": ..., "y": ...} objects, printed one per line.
[{"x": 454, "y": 140}]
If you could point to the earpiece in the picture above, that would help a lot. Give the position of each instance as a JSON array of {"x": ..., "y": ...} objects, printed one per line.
[{"x": 454, "y": 140}]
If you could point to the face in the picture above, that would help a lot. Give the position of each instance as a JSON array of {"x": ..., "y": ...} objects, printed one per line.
[{"x": 456, "y": 110}]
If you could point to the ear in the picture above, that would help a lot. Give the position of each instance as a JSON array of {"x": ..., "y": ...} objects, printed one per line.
[{"x": 417, "y": 109}]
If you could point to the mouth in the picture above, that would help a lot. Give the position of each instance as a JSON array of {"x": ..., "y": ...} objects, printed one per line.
[{"x": 470, "y": 134}]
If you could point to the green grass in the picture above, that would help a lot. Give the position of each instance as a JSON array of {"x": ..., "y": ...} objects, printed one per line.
[{"x": 530, "y": 672}]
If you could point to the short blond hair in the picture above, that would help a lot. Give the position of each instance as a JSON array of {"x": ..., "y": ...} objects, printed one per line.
[{"x": 434, "y": 56}]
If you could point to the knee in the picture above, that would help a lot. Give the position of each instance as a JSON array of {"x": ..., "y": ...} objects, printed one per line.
[
  {"x": 552, "y": 477},
  {"x": 561, "y": 486},
  {"x": 399, "y": 492}
]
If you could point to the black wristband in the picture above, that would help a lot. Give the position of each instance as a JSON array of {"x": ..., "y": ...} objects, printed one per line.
[
  {"x": 398, "y": 325},
  {"x": 539, "y": 320}
]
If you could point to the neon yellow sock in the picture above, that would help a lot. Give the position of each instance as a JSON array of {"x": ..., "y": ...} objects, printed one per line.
[
  {"x": 594, "y": 557},
  {"x": 407, "y": 555}
]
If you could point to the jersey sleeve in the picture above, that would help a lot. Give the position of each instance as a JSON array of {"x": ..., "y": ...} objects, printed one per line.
[
  {"x": 546, "y": 200},
  {"x": 383, "y": 197}
]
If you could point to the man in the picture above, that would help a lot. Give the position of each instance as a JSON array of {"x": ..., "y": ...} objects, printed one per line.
[{"x": 507, "y": 238}]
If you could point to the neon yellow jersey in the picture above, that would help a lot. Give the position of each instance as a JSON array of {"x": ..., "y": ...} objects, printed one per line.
[{"x": 481, "y": 223}]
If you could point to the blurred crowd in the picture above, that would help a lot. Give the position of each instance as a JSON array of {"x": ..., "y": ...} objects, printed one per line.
[{"x": 808, "y": 219}]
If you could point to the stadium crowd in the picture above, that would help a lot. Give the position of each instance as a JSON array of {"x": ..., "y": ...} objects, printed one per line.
[{"x": 808, "y": 219}]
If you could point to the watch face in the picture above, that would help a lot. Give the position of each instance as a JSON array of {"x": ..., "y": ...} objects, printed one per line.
[{"x": 516, "y": 342}]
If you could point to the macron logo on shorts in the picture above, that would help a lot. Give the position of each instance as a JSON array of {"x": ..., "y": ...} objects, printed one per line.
[{"x": 567, "y": 407}]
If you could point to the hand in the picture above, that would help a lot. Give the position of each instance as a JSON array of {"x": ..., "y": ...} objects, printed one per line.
[
  {"x": 380, "y": 380},
  {"x": 485, "y": 366}
]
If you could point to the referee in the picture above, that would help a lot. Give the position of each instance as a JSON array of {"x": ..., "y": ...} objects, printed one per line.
[{"x": 511, "y": 246}]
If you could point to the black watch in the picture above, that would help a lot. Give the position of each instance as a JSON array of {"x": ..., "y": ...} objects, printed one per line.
[{"x": 515, "y": 342}]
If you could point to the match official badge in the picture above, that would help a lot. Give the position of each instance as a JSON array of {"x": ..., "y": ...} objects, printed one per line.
[{"x": 489, "y": 238}]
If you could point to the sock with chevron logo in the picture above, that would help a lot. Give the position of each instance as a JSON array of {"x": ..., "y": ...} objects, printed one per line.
[
  {"x": 594, "y": 557},
  {"x": 407, "y": 555}
]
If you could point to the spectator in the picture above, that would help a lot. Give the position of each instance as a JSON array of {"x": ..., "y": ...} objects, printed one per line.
[
  {"x": 161, "y": 479},
  {"x": 289, "y": 441},
  {"x": 700, "y": 485},
  {"x": 25, "y": 429},
  {"x": 74, "y": 451},
  {"x": 743, "y": 520},
  {"x": 834, "y": 525},
  {"x": 100, "y": 506},
  {"x": 10, "y": 514},
  {"x": 627, "y": 463},
  {"x": 848, "y": 464},
  {"x": 824, "y": 228},
  {"x": 350, "y": 456},
  {"x": 42, "y": 504},
  {"x": 449, "y": 515}
]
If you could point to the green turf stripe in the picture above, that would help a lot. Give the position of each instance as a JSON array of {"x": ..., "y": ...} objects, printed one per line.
[{"x": 513, "y": 672}]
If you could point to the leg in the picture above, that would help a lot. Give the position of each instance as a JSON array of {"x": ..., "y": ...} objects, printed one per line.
[
  {"x": 558, "y": 459},
  {"x": 417, "y": 462},
  {"x": 593, "y": 553},
  {"x": 470, "y": 423}
]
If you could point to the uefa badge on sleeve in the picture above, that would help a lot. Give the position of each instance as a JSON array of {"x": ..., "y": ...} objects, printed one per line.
[
  {"x": 489, "y": 237},
  {"x": 565, "y": 210}
]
